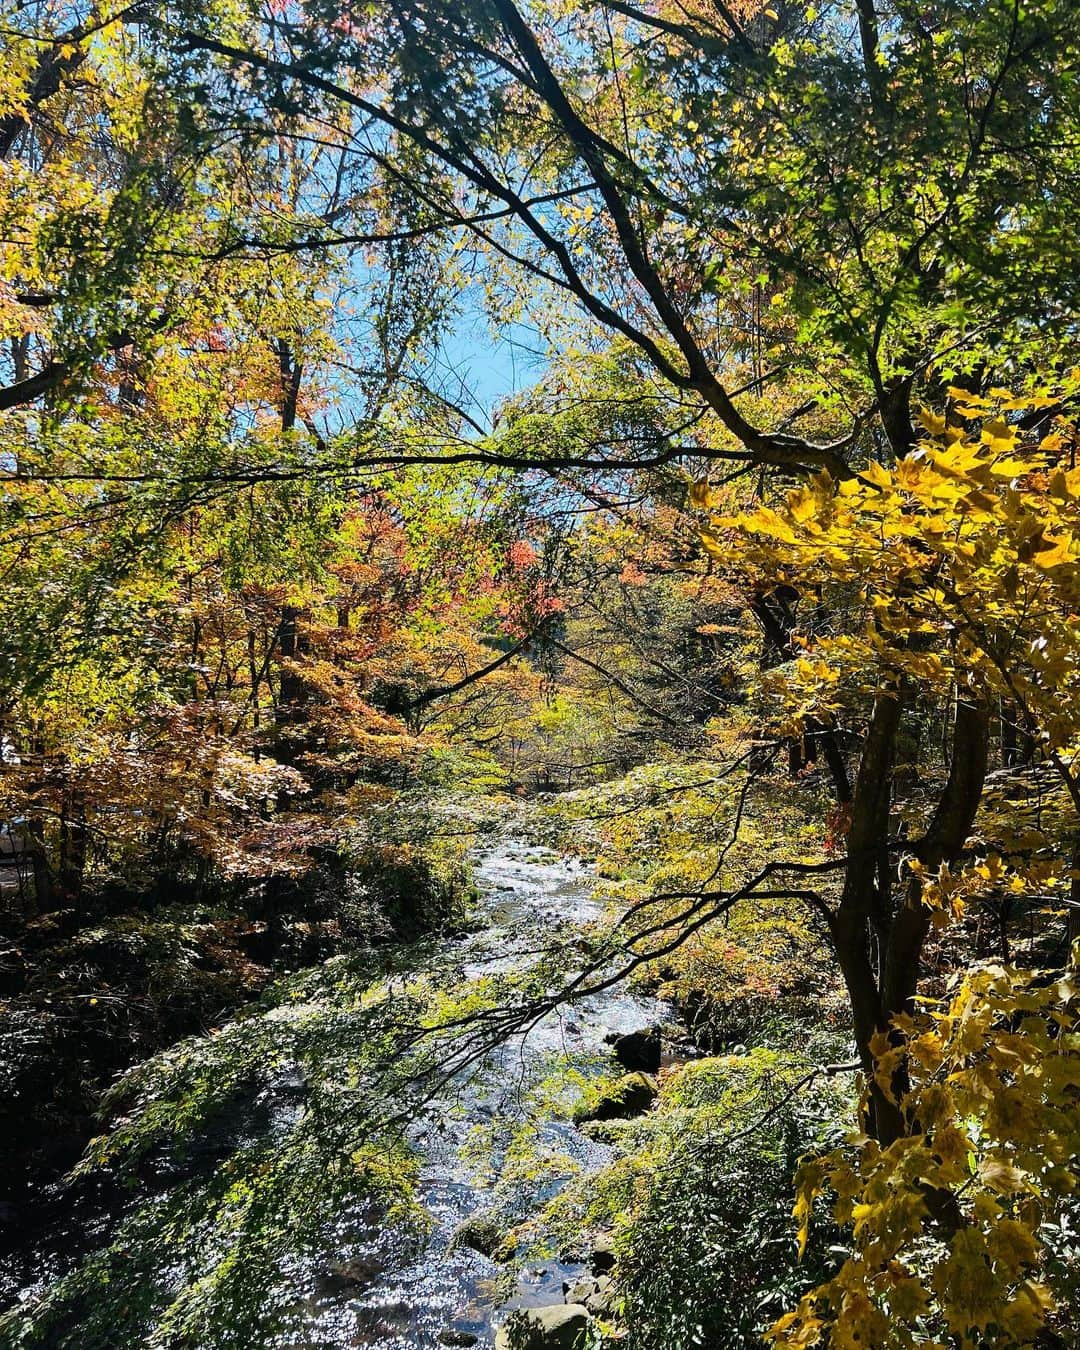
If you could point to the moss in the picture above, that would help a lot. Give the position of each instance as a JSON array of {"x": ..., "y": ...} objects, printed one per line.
[
  {"x": 101, "y": 989},
  {"x": 628, "y": 1096},
  {"x": 485, "y": 1232}
]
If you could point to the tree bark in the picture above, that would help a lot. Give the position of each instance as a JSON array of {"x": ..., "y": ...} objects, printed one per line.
[
  {"x": 851, "y": 922},
  {"x": 72, "y": 867},
  {"x": 942, "y": 843}
]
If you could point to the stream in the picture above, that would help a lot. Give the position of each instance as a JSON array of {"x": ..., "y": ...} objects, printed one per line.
[
  {"x": 374, "y": 1283},
  {"x": 378, "y": 1295}
]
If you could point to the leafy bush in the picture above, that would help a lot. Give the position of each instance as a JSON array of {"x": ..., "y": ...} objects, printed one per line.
[
  {"x": 709, "y": 1257},
  {"x": 699, "y": 1199},
  {"x": 706, "y": 1245},
  {"x": 399, "y": 891}
]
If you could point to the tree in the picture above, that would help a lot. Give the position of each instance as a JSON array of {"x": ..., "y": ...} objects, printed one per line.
[
  {"x": 948, "y": 580},
  {"x": 873, "y": 187}
]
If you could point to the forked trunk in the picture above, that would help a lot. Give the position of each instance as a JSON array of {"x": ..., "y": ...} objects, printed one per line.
[{"x": 878, "y": 942}]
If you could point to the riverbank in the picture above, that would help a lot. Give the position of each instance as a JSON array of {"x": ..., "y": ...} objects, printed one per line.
[
  {"x": 87, "y": 993},
  {"x": 371, "y": 1274}
]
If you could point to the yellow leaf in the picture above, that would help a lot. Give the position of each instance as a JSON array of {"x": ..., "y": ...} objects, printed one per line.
[
  {"x": 1001, "y": 1176},
  {"x": 877, "y": 475},
  {"x": 908, "y": 1299},
  {"x": 932, "y": 422},
  {"x": 966, "y": 397},
  {"x": 1055, "y": 553},
  {"x": 766, "y": 521},
  {"x": 802, "y": 505},
  {"x": 1012, "y": 1245},
  {"x": 999, "y": 436},
  {"x": 1010, "y": 468}
]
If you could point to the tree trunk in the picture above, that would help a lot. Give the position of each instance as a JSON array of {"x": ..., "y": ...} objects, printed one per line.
[
  {"x": 879, "y": 990},
  {"x": 860, "y": 905},
  {"x": 942, "y": 843},
  {"x": 291, "y": 644},
  {"x": 44, "y": 898},
  {"x": 72, "y": 867}
]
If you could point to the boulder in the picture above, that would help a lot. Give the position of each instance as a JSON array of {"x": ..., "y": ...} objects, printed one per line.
[
  {"x": 602, "y": 1255},
  {"x": 483, "y": 1232},
  {"x": 561, "y": 1326},
  {"x": 452, "y": 1336},
  {"x": 343, "y": 1276},
  {"x": 632, "y": 1095},
  {"x": 580, "y": 1291},
  {"x": 638, "y": 1051},
  {"x": 599, "y": 1301}
]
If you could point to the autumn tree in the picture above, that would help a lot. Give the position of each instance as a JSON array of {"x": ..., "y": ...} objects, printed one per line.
[
  {"x": 770, "y": 234},
  {"x": 172, "y": 590},
  {"x": 948, "y": 579}
]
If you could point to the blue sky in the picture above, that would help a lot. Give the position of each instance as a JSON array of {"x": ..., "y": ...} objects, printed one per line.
[{"x": 490, "y": 369}]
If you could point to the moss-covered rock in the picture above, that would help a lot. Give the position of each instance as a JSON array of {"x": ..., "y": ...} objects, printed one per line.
[
  {"x": 631, "y": 1095},
  {"x": 638, "y": 1051},
  {"x": 563, "y": 1326},
  {"x": 484, "y": 1232}
]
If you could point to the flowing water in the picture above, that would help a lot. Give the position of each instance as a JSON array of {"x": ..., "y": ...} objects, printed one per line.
[
  {"x": 380, "y": 1295},
  {"x": 376, "y": 1284}
]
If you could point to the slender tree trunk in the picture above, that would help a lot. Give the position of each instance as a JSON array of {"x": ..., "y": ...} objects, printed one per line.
[
  {"x": 290, "y": 645},
  {"x": 72, "y": 867},
  {"x": 942, "y": 843},
  {"x": 895, "y": 409},
  {"x": 290, "y": 640},
  {"x": 879, "y": 951},
  {"x": 860, "y": 905},
  {"x": 44, "y": 896}
]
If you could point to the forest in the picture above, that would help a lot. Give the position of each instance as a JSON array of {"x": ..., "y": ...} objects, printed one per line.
[{"x": 540, "y": 674}]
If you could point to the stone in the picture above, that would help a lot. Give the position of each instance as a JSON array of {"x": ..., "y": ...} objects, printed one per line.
[
  {"x": 562, "y": 1326},
  {"x": 482, "y": 1231},
  {"x": 452, "y": 1336},
  {"x": 343, "y": 1276},
  {"x": 599, "y": 1301},
  {"x": 638, "y": 1050},
  {"x": 602, "y": 1255},
  {"x": 580, "y": 1291},
  {"x": 632, "y": 1095}
]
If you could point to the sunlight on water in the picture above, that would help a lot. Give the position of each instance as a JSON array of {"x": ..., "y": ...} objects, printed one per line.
[{"x": 380, "y": 1289}]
